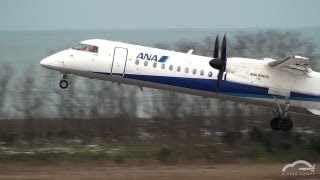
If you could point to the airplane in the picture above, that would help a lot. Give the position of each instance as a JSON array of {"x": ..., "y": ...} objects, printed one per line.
[{"x": 278, "y": 84}]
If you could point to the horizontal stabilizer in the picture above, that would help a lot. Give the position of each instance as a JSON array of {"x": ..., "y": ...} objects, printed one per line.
[{"x": 314, "y": 111}]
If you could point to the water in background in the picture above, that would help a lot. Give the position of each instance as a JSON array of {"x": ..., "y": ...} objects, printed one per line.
[{"x": 26, "y": 48}]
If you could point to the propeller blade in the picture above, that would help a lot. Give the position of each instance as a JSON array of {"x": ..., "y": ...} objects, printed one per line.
[
  {"x": 219, "y": 79},
  {"x": 219, "y": 63},
  {"x": 216, "y": 48},
  {"x": 224, "y": 48}
]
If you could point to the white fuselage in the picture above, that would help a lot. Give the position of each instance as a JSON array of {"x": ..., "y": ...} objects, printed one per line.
[{"x": 245, "y": 80}]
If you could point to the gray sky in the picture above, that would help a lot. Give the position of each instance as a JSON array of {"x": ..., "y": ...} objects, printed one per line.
[{"x": 136, "y": 14}]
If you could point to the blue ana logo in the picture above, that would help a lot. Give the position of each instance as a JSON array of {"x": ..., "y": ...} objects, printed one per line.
[{"x": 151, "y": 57}]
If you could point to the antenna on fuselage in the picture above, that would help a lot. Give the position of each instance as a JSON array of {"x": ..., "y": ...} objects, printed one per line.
[{"x": 190, "y": 52}]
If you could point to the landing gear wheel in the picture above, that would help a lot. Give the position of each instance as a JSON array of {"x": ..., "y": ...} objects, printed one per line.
[
  {"x": 282, "y": 120},
  {"x": 286, "y": 124},
  {"x": 275, "y": 123},
  {"x": 63, "y": 84}
]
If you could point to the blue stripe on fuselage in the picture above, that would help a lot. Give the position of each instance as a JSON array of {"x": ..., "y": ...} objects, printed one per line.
[{"x": 209, "y": 85}]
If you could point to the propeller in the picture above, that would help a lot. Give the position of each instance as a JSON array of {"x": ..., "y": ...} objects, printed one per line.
[
  {"x": 216, "y": 48},
  {"x": 219, "y": 63}
]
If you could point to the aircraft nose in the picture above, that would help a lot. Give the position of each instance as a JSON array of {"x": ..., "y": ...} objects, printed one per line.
[
  {"x": 55, "y": 61},
  {"x": 51, "y": 61},
  {"x": 44, "y": 62}
]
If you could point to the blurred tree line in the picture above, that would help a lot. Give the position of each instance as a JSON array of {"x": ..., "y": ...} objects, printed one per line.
[{"x": 100, "y": 108}]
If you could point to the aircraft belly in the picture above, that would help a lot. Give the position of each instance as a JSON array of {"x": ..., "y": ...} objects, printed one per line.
[{"x": 236, "y": 92}]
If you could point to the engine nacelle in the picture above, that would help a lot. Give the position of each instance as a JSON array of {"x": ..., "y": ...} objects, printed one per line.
[{"x": 230, "y": 77}]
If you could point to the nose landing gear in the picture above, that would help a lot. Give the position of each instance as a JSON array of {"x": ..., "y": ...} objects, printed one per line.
[
  {"x": 63, "y": 81},
  {"x": 282, "y": 120}
]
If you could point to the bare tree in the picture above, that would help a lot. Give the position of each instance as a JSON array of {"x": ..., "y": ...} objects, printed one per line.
[
  {"x": 27, "y": 99},
  {"x": 5, "y": 74},
  {"x": 164, "y": 46},
  {"x": 66, "y": 106},
  {"x": 272, "y": 44},
  {"x": 186, "y": 45}
]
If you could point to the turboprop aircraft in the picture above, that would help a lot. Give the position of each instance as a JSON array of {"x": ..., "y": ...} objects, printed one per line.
[{"x": 266, "y": 82}]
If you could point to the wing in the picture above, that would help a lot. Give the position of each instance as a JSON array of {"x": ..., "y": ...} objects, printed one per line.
[{"x": 293, "y": 64}]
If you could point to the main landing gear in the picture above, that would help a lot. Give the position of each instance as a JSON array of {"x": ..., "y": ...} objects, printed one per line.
[
  {"x": 63, "y": 81},
  {"x": 282, "y": 120}
]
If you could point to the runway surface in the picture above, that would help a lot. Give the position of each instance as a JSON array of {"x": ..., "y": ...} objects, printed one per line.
[{"x": 99, "y": 170}]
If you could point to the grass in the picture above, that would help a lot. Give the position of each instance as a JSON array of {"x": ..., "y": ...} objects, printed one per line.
[
  {"x": 162, "y": 153},
  {"x": 257, "y": 145}
]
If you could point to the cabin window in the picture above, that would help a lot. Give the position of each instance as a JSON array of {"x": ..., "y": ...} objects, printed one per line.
[
  {"x": 179, "y": 68},
  {"x": 86, "y": 47},
  {"x": 210, "y": 74},
  {"x": 186, "y": 70},
  {"x": 170, "y": 67},
  {"x": 137, "y": 62},
  {"x": 163, "y": 66},
  {"x": 201, "y": 72},
  {"x": 155, "y": 64},
  {"x": 146, "y": 63},
  {"x": 194, "y": 71}
]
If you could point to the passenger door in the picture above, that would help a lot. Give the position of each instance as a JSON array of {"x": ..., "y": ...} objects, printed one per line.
[{"x": 119, "y": 61}]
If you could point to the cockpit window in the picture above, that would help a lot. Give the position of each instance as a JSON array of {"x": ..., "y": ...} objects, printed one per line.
[
  {"x": 80, "y": 47},
  {"x": 85, "y": 47},
  {"x": 91, "y": 48}
]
